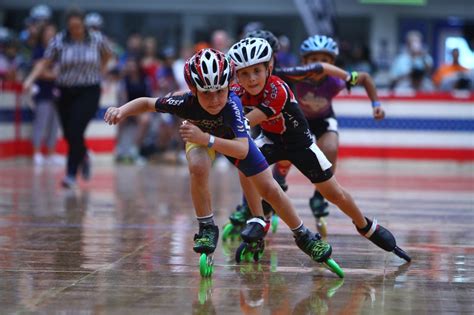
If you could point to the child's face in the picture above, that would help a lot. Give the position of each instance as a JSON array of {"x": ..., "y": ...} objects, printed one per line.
[
  {"x": 318, "y": 57},
  {"x": 213, "y": 102},
  {"x": 253, "y": 78}
]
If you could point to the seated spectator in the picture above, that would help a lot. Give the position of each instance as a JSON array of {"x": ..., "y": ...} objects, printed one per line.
[
  {"x": 413, "y": 65},
  {"x": 360, "y": 59},
  {"x": 452, "y": 76}
]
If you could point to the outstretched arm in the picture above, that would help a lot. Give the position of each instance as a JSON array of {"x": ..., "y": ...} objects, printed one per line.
[
  {"x": 313, "y": 71},
  {"x": 365, "y": 80},
  {"x": 114, "y": 115}
]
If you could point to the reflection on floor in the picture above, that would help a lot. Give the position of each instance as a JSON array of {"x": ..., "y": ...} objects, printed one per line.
[{"x": 122, "y": 244}]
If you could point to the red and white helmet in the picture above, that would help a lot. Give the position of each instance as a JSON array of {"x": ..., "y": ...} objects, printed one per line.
[{"x": 208, "y": 70}]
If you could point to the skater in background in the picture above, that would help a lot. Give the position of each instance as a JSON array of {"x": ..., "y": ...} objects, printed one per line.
[{"x": 315, "y": 93}]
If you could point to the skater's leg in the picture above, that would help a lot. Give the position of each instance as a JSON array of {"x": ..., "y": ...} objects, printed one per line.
[
  {"x": 253, "y": 198},
  {"x": 269, "y": 189},
  {"x": 199, "y": 164},
  {"x": 328, "y": 142},
  {"x": 332, "y": 191}
]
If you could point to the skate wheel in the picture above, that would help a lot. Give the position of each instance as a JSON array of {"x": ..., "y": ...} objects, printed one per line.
[
  {"x": 334, "y": 267},
  {"x": 321, "y": 226},
  {"x": 274, "y": 223},
  {"x": 257, "y": 256},
  {"x": 205, "y": 265},
  {"x": 241, "y": 252},
  {"x": 401, "y": 253},
  {"x": 204, "y": 290},
  {"x": 226, "y": 232},
  {"x": 248, "y": 256}
]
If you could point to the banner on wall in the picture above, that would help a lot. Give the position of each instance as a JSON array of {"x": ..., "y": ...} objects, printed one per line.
[{"x": 318, "y": 16}]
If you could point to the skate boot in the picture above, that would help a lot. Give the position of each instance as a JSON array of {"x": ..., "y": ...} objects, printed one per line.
[
  {"x": 319, "y": 251},
  {"x": 253, "y": 240},
  {"x": 237, "y": 220},
  {"x": 319, "y": 207},
  {"x": 205, "y": 243},
  {"x": 383, "y": 238}
]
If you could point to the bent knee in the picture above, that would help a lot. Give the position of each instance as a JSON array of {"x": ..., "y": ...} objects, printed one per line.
[{"x": 198, "y": 169}]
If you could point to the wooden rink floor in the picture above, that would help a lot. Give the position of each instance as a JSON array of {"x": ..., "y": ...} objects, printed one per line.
[{"x": 122, "y": 244}]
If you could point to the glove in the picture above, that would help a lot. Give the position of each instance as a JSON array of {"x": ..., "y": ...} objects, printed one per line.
[{"x": 351, "y": 80}]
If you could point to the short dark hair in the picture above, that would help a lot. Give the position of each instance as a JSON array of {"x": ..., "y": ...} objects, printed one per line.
[{"x": 74, "y": 13}]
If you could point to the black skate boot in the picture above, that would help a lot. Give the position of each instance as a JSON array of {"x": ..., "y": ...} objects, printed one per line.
[
  {"x": 383, "y": 238},
  {"x": 320, "y": 251},
  {"x": 205, "y": 243},
  {"x": 237, "y": 222},
  {"x": 253, "y": 240},
  {"x": 319, "y": 207}
]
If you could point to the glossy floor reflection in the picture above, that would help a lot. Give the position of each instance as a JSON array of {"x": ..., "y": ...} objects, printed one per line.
[{"x": 122, "y": 244}]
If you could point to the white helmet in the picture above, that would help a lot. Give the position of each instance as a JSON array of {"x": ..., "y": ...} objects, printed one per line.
[
  {"x": 94, "y": 19},
  {"x": 40, "y": 12},
  {"x": 319, "y": 43},
  {"x": 250, "y": 51},
  {"x": 208, "y": 70}
]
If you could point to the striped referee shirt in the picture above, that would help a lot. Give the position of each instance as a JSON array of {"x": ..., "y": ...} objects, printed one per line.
[{"x": 79, "y": 62}]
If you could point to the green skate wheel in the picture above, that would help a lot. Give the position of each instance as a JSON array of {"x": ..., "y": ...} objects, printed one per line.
[
  {"x": 274, "y": 223},
  {"x": 248, "y": 256},
  {"x": 226, "y": 232},
  {"x": 257, "y": 256},
  {"x": 321, "y": 225},
  {"x": 205, "y": 265},
  {"x": 334, "y": 267}
]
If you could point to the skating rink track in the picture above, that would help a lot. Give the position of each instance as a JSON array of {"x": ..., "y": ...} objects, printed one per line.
[{"x": 122, "y": 244}]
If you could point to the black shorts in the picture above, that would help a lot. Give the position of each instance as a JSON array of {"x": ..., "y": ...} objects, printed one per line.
[
  {"x": 320, "y": 126},
  {"x": 310, "y": 161}
]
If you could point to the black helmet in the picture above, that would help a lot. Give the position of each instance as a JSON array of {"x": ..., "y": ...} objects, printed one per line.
[{"x": 266, "y": 35}]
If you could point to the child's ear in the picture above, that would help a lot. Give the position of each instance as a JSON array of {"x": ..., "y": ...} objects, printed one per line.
[
  {"x": 270, "y": 66},
  {"x": 194, "y": 91}
]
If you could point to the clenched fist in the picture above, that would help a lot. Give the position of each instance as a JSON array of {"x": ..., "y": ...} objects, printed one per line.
[
  {"x": 113, "y": 115},
  {"x": 191, "y": 133}
]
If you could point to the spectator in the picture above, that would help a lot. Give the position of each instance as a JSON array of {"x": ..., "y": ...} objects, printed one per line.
[
  {"x": 284, "y": 56},
  {"x": 150, "y": 63},
  {"x": 220, "y": 40},
  {"x": 45, "y": 123},
  {"x": 134, "y": 49},
  {"x": 94, "y": 22},
  {"x": 360, "y": 59},
  {"x": 412, "y": 68},
  {"x": 178, "y": 65},
  {"x": 10, "y": 59},
  {"x": 452, "y": 76},
  {"x": 132, "y": 131}
]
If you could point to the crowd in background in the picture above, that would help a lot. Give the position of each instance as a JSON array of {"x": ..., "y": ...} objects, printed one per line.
[{"x": 144, "y": 67}]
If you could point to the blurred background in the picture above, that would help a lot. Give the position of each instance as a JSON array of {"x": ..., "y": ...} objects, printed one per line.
[{"x": 151, "y": 39}]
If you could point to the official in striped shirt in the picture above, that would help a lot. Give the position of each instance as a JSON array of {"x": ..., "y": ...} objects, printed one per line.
[{"x": 80, "y": 56}]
